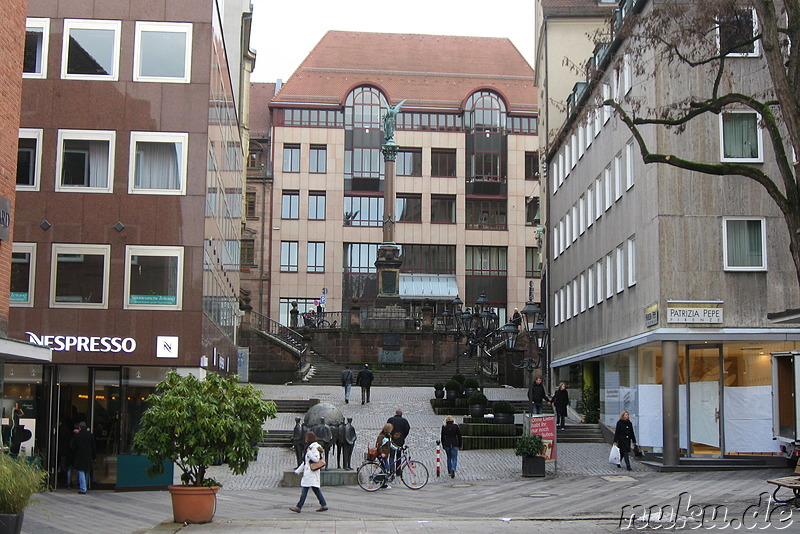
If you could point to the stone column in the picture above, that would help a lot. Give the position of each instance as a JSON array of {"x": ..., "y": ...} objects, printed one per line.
[{"x": 669, "y": 401}]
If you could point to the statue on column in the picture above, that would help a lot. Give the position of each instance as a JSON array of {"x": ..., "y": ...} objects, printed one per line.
[
  {"x": 299, "y": 440},
  {"x": 389, "y": 122},
  {"x": 348, "y": 442}
]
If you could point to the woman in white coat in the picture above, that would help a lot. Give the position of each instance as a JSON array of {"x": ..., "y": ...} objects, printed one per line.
[{"x": 311, "y": 478}]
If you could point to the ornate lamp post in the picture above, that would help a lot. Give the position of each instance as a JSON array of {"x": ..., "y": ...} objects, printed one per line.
[
  {"x": 538, "y": 336},
  {"x": 482, "y": 330}
]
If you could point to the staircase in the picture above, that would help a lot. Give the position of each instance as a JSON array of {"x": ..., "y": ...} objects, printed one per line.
[
  {"x": 276, "y": 438},
  {"x": 581, "y": 433}
]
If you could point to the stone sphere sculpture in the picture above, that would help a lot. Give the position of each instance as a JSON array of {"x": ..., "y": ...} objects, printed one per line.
[{"x": 325, "y": 410}]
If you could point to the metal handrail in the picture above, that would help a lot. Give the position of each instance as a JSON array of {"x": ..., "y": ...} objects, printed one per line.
[{"x": 291, "y": 338}]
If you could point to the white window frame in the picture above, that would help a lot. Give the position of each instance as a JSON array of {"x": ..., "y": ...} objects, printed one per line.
[
  {"x": 589, "y": 128},
  {"x": 316, "y": 268},
  {"x": 556, "y": 252},
  {"x": 598, "y": 121},
  {"x": 44, "y": 25},
  {"x": 26, "y": 248},
  {"x": 33, "y": 133},
  {"x": 589, "y": 207},
  {"x": 84, "y": 24},
  {"x": 568, "y": 230},
  {"x": 85, "y": 135},
  {"x": 575, "y": 225},
  {"x": 554, "y": 174},
  {"x": 629, "y": 155},
  {"x": 600, "y": 279},
  {"x": 165, "y": 27},
  {"x": 583, "y": 291},
  {"x": 567, "y": 158},
  {"x": 157, "y": 251},
  {"x": 292, "y": 267},
  {"x": 631, "y": 261},
  {"x": 590, "y": 286},
  {"x": 561, "y": 167},
  {"x": 569, "y": 300},
  {"x": 627, "y": 74},
  {"x": 581, "y": 141},
  {"x": 582, "y": 213},
  {"x": 618, "y": 177},
  {"x": 158, "y": 137},
  {"x": 598, "y": 196},
  {"x": 609, "y": 275},
  {"x": 606, "y": 108},
  {"x": 620, "y": 268},
  {"x": 756, "y": 45},
  {"x": 557, "y": 308},
  {"x": 759, "y": 136},
  {"x": 80, "y": 248},
  {"x": 608, "y": 185},
  {"x": 760, "y": 268},
  {"x": 574, "y": 144}
]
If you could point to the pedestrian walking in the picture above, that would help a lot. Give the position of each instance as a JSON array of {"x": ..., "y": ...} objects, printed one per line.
[
  {"x": 560, "y": 402},
  {"x": 347, "y": 383},
  {"x": 364, "y": 379},
  {"x": 311, "y": 477},
  {"x": 624, "y": 438},
  {"x": 85, "y": 453},
  {"x": 537, "y": 395},
  {"x": 451, "y": 441},
  {"x": 400, "y": 430}
]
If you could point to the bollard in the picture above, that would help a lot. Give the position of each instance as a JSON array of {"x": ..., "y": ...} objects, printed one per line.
[{"x": 438, "y": 458}]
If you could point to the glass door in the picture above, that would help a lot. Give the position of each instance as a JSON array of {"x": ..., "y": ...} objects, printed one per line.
[
  {"x": 704, "y": 373},
  {"x": 105, "y": 424}
]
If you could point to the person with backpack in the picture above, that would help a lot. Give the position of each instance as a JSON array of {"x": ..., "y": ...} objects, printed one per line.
[{"x": 347, "y": 383}]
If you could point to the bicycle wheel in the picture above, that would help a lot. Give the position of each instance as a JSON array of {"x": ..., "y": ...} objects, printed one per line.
[
  {"x": 371, "y": 476},
  {"x": 324, "y": 323},
  {"x": 414, "y": 475}
]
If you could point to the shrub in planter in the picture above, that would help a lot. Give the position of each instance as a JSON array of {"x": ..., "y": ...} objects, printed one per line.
[
  {"x": 503, "y": 412},
  {"x": 470, "y": 385},
  {"x": 438, "y": 388},
  {"x": 477, "y": 404},
  {"x": 193, "y": 423},
  {"x": 459, "y": 378},
  {"x": 531, "y": 449},
  {"x": 19, "y": 479},
  {"x": 453, "y": 388}
]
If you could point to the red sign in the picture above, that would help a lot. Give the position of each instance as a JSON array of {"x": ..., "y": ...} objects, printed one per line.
[{"x": 545, "y": 426}]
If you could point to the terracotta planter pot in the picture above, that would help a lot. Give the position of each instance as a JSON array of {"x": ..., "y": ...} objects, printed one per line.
[
  {"x": 193, "y": 504},
  {"x": 11, "y": 523}
]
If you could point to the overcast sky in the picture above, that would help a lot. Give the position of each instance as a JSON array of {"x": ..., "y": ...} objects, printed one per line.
[{"x": 285, "y": 31}]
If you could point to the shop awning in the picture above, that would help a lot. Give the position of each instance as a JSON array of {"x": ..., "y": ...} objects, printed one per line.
[
  {"x": 428, "y": 286},
  {"x": 15, "y": 350}
]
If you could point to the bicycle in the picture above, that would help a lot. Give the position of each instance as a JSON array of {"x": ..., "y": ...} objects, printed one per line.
[{"x": 372, "y": 476}]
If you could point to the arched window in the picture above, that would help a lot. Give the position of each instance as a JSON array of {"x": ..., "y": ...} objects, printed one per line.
[
  {"x": 485, "y": 111},
  {"x": 485, "y": 120},
  {"x": 363, "y": 166}
]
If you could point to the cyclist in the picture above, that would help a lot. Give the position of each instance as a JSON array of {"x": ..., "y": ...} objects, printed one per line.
[{"x": 385, "y": 446}]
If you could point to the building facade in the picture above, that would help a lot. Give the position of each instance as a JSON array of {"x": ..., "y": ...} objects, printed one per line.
[
  {"x": 662, "y": 279},
  {"x": 467, "y": 173},
  {"x": 126, "y": 257}
]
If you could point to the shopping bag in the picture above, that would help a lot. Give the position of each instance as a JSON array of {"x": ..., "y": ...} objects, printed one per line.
[
  {"x": 317, "y": 465},
  {"x": 637, "y": 452},
  {"x": 614, "y": 455}
]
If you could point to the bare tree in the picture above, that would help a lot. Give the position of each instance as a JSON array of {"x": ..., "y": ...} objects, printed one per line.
[{"x": 703, "y": 39}]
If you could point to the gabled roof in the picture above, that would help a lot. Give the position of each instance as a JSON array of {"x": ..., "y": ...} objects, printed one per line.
[
  {"x": 260, "y": 114},
  {"x": 426, "y": 70}
]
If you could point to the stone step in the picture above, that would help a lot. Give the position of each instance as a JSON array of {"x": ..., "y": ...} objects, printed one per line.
[
  {"x": 293, "y": 406},
  {"x": 276, "y": 438}
]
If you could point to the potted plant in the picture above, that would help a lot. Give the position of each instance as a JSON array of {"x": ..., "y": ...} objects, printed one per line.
[
  {"x": 438, "y": 390},
  {"x": 470, "y": 385},
  {"x": 531, "y": 449},
  {"x": 477, "y": 404},
  {"x": 19, "y": 479},
  {"x": 503, "y": 412},
  {"x": 452, "y": 387},
  {"x": 194, "y": 423}
]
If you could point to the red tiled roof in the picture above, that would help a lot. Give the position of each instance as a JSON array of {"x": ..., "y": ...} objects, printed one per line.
[
  {"x": 426, "y": 70},
  {"x": 260, "y": 114}
]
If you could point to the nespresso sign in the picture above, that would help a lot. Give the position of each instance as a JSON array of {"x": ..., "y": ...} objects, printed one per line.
[{"x": 83, "y": 343}]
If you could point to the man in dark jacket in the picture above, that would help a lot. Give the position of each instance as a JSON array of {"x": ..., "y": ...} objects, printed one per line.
[
  {"x": 537, "y": 396},
  {"x": 400, "y": 430},
  {"x": 84, "y": 451},
  {"x": 364, "y": 379},
  {"x": 347, "y": 383}
]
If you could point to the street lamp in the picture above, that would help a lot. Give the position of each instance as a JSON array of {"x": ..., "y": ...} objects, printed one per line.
[
  {"x": 538, "y": 335},
  {"x": 482, "y": 330}
]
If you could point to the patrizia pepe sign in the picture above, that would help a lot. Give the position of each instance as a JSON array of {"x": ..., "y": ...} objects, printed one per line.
[{"x": 692, "y": 311}]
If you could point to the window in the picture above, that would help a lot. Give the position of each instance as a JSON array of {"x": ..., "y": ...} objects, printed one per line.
[
  {"x": 744, "y": 244},
  {"x": 79, "y": 276},
  {"x": 590, "y": 286},
  {"x": 316, "y": 257},
  {"x": 568, "y": 227},
  {"x": 289, "y": 256},
  {"x": 590, "y": 206},
  {"x": 600, "y": 278},
  {"x": 409, "y": 162},
  {"x": 532, "y": 216},
  {"x": 486, "y": 215},
  {"x": 85, "y": 161},
  {"x": 163, "y": 52},
  {"x": 250, "y": 205},
  {"x": 568, "y": 307},
  {"x": 90, "y": 50},
  {"x": 741, "y": 137},
  {"x": 574, "y": 146},
  {"x": 363, "y": 211},
  {"x": 620, "y": 268},
  {"x": 429, "y": 259},
  {"x": 153, "y": 277},
  {"x": 582, "y": 214},
  {"x": 290, "y": 205},
  {"x": 291, "y": 158},
  {"x": 627, "y": 74},
  {"x": 158, "y": 163},
  {"x": 606, "y": 96},
  {"x": 254, "y": 159},
  {"x": 598, "y": 197},
  {"x": 486, "y": 261},
  {"x": 29, "y": 159},
  {"x": 575, "y": 228},
  {"x": 582, "y": 286},
  {"x": 23, "y": 270},
  {"x": 629, "y": 155},
  {"x": 618, "y": 176},
  {"x": 556, "y": 250},
  {"x": 598, "y": 120},
  {"x": 631, "y": 261},
  {"x": 735, "y": 33},
  {"x": 248, "y": 252},
  {"x": 443, "y": 209},
  {"x": 316, "y": 206},
  {"x": 37, "y": 39},
  {"x": 609, "y": 185},
  {"x": 581, "y": 141},
  {"x": 533, "y": 264},
  {"x": 443, "y": 162},
  {"x": 408, "y": 208},
  {"x": 318, "y": 159},
  {"x": 590, "y": 127},
  {"x": 557, "y": 308},
  {"x": 575, "y": 297},
  {"x": 531, "y": 166},
  {"x": 609, "y": 275}
]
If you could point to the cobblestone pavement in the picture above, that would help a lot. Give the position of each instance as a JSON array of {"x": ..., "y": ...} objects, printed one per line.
[{"x": 585, "y": 494}]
